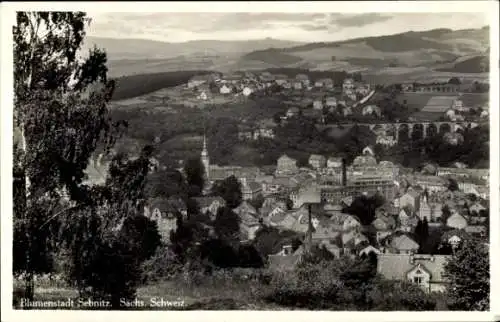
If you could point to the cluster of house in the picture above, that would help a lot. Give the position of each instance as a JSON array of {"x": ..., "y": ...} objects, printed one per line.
[
  {"x": 320, "y": 99},
  {"x": 246, "y": 83},
  {"x": 453, "y": 108},
  {"x": 352, "y": 94},
  {"x": 265, "y": 128},
  {"x": 235, "y": 81}
]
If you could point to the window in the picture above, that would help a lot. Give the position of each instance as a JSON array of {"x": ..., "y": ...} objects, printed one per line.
[{"x": 417, "y": 280}]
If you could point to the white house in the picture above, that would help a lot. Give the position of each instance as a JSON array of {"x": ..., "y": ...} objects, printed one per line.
[
  {"x": 331, "y": 101},
  {"x": 225, "y": 89},
  {"x": 247, "y": 90},
  {"x": 318, "y": 105},
  {"x": 387, "y": 140}
]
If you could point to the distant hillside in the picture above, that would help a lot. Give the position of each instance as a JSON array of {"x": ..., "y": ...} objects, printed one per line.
[
  {"x": 432, "y": 49},
  {"x": 272, "y": 56},
  {"x": 441, "y": 39},
  {"x": 118, "y": 49},
  {"x": 478, "y": 64},
  {"x": 405, "y": 49}
]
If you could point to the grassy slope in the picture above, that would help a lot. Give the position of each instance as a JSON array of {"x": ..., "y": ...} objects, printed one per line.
[
  {"x": 477, "y": 64},
  {"x": 406, "y": 49}
]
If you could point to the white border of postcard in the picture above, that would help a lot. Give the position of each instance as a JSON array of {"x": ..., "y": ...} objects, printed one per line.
[{"x": 490, "y": 8}]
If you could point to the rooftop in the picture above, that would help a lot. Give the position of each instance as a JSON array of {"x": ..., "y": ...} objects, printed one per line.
[
  {"x": 395, "y": 266},
  {"x": 439, "y": 103}
]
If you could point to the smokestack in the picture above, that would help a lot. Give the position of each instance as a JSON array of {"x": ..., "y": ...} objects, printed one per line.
[
  {"x": 344, "y": 173},
  {"x": 309, "y": 229}
]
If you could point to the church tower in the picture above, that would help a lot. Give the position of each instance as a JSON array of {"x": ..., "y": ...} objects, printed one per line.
[{"x": 204, "y": 158}]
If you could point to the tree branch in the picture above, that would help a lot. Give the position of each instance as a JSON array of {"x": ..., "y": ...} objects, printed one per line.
[{"x": 59, "y": 213}]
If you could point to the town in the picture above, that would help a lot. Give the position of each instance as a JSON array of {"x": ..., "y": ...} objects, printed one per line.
[{"x": 315, "y": 201}]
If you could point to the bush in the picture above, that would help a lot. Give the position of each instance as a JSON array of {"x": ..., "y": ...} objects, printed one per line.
[
  {"x": 162, "y": 265},
  {"x": 344, "y": 284}
]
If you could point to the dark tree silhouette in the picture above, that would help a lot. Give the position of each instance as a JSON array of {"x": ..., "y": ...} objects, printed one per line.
[
  {"x": 230, "y": 190},
  {"x": 195, "y": 177},
  {"x": 227, "y": 225}
]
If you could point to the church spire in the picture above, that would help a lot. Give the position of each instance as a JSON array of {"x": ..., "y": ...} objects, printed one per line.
[
  {"x": 204, "y": 152},
  {"x": 204, "y": 157}
]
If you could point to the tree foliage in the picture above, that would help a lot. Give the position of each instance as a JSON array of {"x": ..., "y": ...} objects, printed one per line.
[
  {"x": 195, "y": 176},
  {"x": 468, "y": 272},
  {"x": 227, "y": 225},
  {"x": 60, "y": 117},
  {"x": 112, "y": 227},
  {"x": 364, "y": 207},
  {"x": 345, "y": 284},
  {"x": 230, "y": 190}
]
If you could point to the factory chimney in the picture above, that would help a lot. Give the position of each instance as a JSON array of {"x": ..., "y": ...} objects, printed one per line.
[{"x": 344, "y": 172}]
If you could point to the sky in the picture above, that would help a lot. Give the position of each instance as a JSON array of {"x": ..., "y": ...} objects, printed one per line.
[{"x": 302, "y": 27}]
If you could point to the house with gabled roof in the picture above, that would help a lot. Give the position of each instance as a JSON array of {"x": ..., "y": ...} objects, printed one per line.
[
  {"x": 286, "y": 165},
  {"x": 427, "y": 271},
  {"x": 476, "y": 230},
  {"x": 226, "y": 89},
  {"x": 410, "y": 199},
  {"x": 347, "y": 201},
  {"x": 250, "y": 189},
  {"x": 454, "y": 237},
  {"x": 303, "y": 78},
  {"x": 403, "y": 244},
  {"x": 249, "y": 224},
  {"x": 476, "y": 208},
  {"x": 164, "y": 211},
  {"x": 281, "y": 79},
  {"x": 317, "y": 161},
  {"x": 210, "y": 204},
  {"x": 245, "y": 208},
  {"x": 325, "y": 232},
  {"x": 456, "y": 221},
  {"x": 351, "y": 240},
  {"x": 384, "y": 223},
  {"x": 286, "y": 259}
]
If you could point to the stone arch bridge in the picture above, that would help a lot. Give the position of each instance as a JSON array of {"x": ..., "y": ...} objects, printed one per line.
[{"x": 422, "y": 129}]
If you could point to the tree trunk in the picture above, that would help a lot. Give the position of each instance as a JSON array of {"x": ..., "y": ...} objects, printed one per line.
[
  {"x": 29, "y": 285},
  {"x": 29, "y": 290}
]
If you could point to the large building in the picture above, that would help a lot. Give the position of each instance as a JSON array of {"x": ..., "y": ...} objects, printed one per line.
[
  {"x": 286, "y": 166},
  {"x": 362, "y": 185}
]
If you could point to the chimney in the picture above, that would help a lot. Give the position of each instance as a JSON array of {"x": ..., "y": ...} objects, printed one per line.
[
  {"x": 309, "y": 229},
  {"x": 344, "y": 173}
]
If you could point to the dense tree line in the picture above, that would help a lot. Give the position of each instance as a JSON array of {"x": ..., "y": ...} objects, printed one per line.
[
  {"x": 437, "y": 149},
  {"x": 137, "y": 85}
]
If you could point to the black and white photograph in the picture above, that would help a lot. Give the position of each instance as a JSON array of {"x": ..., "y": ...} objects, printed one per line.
[{"x": 306, "y": 158}]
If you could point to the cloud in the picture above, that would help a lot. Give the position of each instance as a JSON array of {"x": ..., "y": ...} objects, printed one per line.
[
  {"x": 207, "y": 22},
  {"x": 359, "y": 20},
  {"x": 312, "y": 27},
  {"x": 184, "y": 26}
]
